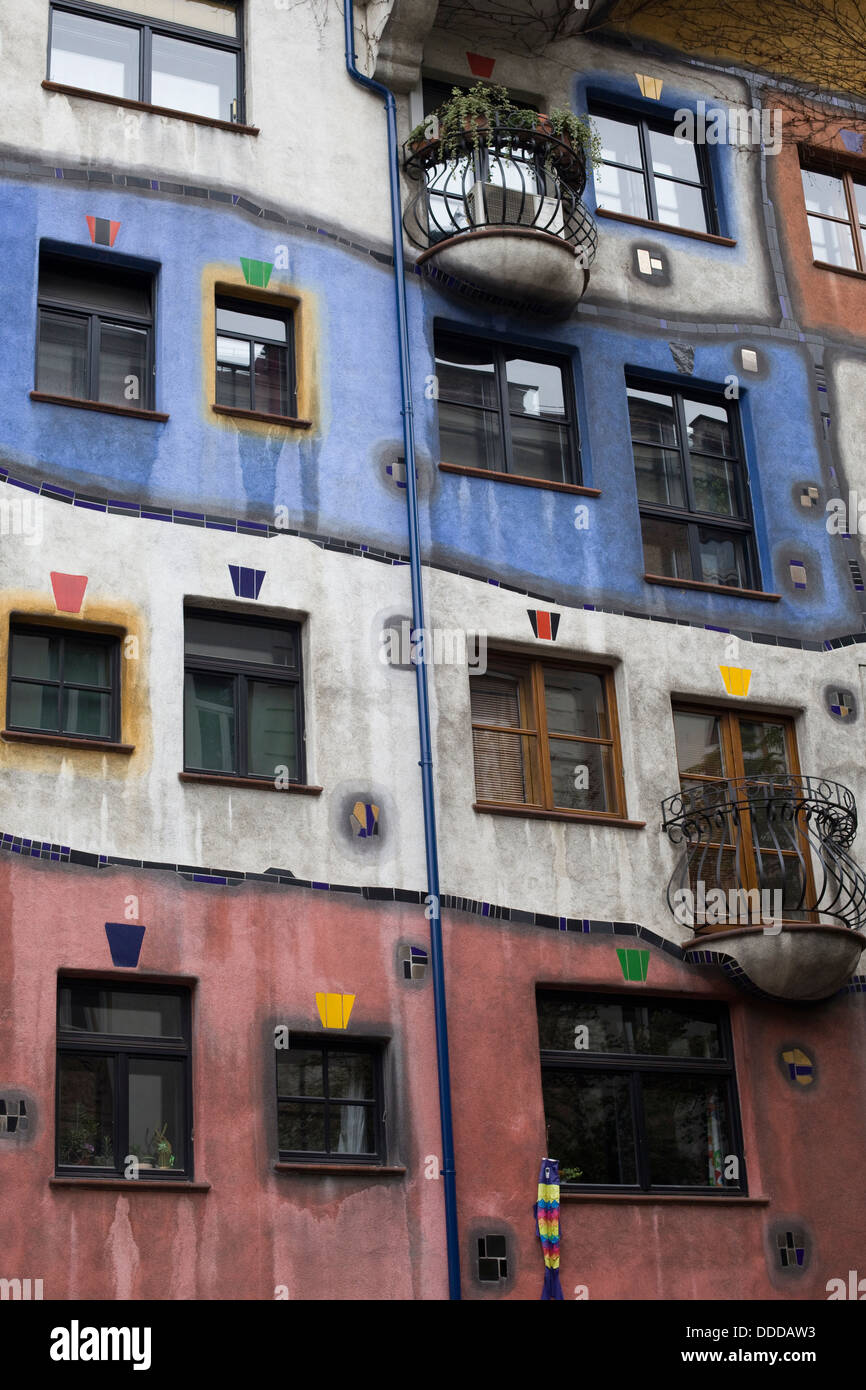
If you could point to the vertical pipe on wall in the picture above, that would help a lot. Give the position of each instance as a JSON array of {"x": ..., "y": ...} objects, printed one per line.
[{"x": 426, "y": 761}]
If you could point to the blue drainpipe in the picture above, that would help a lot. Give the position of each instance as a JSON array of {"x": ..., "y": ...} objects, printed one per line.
[{"x": 426, "y": 763}]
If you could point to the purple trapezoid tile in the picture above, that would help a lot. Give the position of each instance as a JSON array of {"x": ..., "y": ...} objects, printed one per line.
[{"x": 124, "y": 942}]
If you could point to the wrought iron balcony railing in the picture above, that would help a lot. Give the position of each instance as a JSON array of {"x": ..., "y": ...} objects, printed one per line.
[
  {"x": 512, "y": 177},
  {"x": 786, "y": 835}
]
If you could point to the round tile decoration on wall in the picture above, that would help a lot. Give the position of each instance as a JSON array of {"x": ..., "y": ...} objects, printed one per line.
[
  {"x": 789, "y": 1248},
  {"x": 841, "y": 703},
  {"x": 798, "y": 1065},
  {"x": 361, "y": 818}
]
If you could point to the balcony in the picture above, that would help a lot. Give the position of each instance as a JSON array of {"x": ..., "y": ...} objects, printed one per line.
[
  {"x": 500, "y": 216},
  {"x": 765, "y": 877}
]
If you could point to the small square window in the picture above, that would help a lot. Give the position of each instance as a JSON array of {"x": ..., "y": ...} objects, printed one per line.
[
  {"x": 255, "y": 358},
  {"x": 64, "y": 681},
  {"x": 492, "y": 1259}
]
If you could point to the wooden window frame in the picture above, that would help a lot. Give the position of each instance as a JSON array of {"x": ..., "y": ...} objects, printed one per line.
[
  {"x": 108, "y": 640},
  {"x": 529, "y": 672},
  {"x": 830, "y": 169},
  {"x": 689, "y": 516},
  {"x": 664, "y": 126},
  {"x": 375, "y": 1048}
]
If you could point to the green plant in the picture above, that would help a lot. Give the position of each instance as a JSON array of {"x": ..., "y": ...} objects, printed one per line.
[
  {"x": 471, "y": 112},
  {"x": 570, "y": 1174}
]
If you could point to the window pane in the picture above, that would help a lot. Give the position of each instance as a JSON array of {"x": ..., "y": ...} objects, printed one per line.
[
  {"x": 194, "y": 77},
  {"x": 217, "y": 16},
  {"x": 589, "y": 1125},
  {"x": 245, "y": 642},
  {"x": 271, "y": 384},
  {"x": 708, "y": 428},
  {"x": 352, "y": 1129},
  {"x": 123, "y": 372},
  {"x": 688, "y": 1130},
  {"x": 500, "y": 766},
  {"x": 666, "y": 548},
  {"x": 233, "y": 373},
  {"x": 540, "y": 450},
  {"x": 859, "y": 191},
  {"x": 92, "y": 54},
  {"x": 535, "y": 389},
  {"x": 575, "y": 702},
  {"x": 36, "y": 655},
  {"x": 61, "y": 367},
  {"x": 495, "y": 699},
  {"x": 350, "y": 1075},
  {"x": 300, "y": 1072},
  {"x": 620, "y": 190},
  {"x": 672, "y": 156},
  {"x": 94, "y": 286},
  {"x": 86, "y": 662},
  {"x": 582, "y": 775},
  {"x": 209, "y": 728},
  {"x": 715, "y": 485},
  {"x": 660, "y": 1029},
  {"x": 765, "y": 748},
  {"x": 699, "y": 744},
  {"x": 86, "y": 713},
  {"x": 301, "y": 1128},
  {"x": 85, "y": 1113},
  {"x": 832, "y": 242},
  {"x": 652, "y": 417},
  {"x": 272, "y": 729},
  {"x": 34, "y": 707},
  {"x": 156, "y": 1110},
  {"x": 466, "y": 372},
  {"x": 470, "y": 437},
  {"x": 680, "y": 205},
  {"x": 659, "y": 475},
  {"x": 254, "y": 325},
  {"x": 88, "y": 1008},
  {"x": 723, "y": 558},
  {"x": 619, "y": 141},
  {"x": 824, "y": 194}
]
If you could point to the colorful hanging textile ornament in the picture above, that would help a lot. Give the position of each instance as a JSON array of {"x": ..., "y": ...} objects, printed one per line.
[{"x": 547, "y": 1220}]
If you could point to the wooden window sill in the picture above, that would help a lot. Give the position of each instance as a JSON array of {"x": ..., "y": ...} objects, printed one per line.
[
  {"x": 517, "y": 478},
  {"x": 370, "y": 1169},
  {"x": 103, "y": 406},
  {"x": 840, "y": 269},
  {"x": 664, "y": 227},
  {"x": 146, "y": 106},
  {"x": 98, "y": 745},
  {"x": 264, "y": 784},
  {"x": 498, "y": 808},
  {"x": 291, "y": 422},
  {"x": 757, "y": 595},
  {"x": 178, "y": 1186},
  {"x": 701, "y": 1198}
]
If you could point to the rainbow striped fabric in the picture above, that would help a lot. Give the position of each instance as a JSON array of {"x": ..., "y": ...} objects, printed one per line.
[{"x": 547, "y": 1221}]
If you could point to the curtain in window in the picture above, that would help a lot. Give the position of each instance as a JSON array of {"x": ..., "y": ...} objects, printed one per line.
[
  {"x": 499, "y": 772},
  {"x": 353, "y": 1118}
]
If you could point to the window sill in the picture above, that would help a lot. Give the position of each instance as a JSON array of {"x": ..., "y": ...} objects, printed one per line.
[
  {"x": 103, "y": 406},
  {"x": 291, "y": 422},
  {"x": 701, "y": 1198},
  {"x": 517, "y": 478},
  {"x": 757, "y": 595},
  {"x": 382, "y": 1170},
  {"x": 264, "y": 784},
  {"x": 498, "y": 808},
  {"x": 178, "y": 1186},
  {"x": 98, "y": 745},
  {"x": 146, "y": 106},
  {"x": 840, "y": 269},
  {"x": 663, "y": 227}
]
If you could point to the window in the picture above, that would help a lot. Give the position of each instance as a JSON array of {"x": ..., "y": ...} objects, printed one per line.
[
  {"x": 692, "y": 487},
  {"x": 329, "y": 1100},
  {"x": 243, "y": 708},
  {"x": 506, "y": 410},
  {"x": 545, "y": 735},
  {"x": 255, "y": 357},
  {"x": 640, "y": 1095},
  {"x": 759, "y": 845},
  {"x": 64, "y": 682},
  {"x": 123, "y": 1079},
  {"x": 648, "y": 172},
  {"x": 836, "y": 212},
  {"x": 193, "y": 65},
  {"x": 95, "y": 332}
]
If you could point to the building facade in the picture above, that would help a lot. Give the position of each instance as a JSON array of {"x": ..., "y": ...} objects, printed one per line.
[{"x": 637, "y": 404}]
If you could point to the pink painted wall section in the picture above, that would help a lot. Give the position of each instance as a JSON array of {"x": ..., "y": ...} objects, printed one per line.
[{"x": 256, "y": 956}]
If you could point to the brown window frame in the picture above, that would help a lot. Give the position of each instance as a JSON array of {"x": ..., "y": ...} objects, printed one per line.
[
  {"x": 849, "y": 177},
  {"x": 732, "y": 752},
  {"x": 529, "y": 671}
]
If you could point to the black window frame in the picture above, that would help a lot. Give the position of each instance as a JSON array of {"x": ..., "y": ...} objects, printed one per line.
[
  {"x": 262, "y": 309},
  {"x": 690, "y": 516},
  {"x": 148, "y": 25},
  {"x": 94, "y": 318},
  {"x": 664, "y": 125},
  {"x": 110, "y": 640},
  {"x": 243, "y": 672},
  {"x": 500, "y": 351},
  {"x": 636, "y": 1065},
  {"x": 375, "y": 1047},
  {"x": 122, "y": 1047}
]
